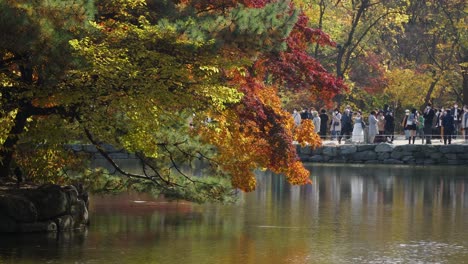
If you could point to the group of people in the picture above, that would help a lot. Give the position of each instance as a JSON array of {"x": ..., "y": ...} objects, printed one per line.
[
  {"x": 320, "y": 120},
  {"x": 443, "y": 123},
  {"x": 350, "y": 125}
]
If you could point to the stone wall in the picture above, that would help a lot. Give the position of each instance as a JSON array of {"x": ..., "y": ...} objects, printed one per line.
[
  {"x": 382, "y": 153},
  {"x": 385, "y": 153},
  {"x": 43, "y": 209}
]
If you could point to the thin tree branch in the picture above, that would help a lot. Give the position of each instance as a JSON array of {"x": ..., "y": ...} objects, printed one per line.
[{"x": 110, "y": 160}]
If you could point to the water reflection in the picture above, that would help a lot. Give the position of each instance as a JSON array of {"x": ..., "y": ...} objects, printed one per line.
[{"x": 350, "y": 214}]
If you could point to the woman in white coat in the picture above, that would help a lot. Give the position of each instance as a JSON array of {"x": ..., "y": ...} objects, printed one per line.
[
  {"x": 358, "y": 131},
  {"x": 317, "y": 120}
]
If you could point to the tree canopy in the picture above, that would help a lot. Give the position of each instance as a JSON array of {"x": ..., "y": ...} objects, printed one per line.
[
  {"x": 133, "y": 74},
  {"x": 377, "y": 40}
]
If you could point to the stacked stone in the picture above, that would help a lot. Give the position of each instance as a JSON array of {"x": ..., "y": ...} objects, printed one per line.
[
  {"x": 44, "y": 209},
  {"x": 385, "y": 153}
]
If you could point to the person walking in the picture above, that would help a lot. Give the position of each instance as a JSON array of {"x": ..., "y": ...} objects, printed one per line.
[
  {"x": 336, "y": 125},
  {"x": 323, "y": 123},
  {"x": 358, "y": 129},
  {"x": 449, "y": 126},
  {"x": 428, "y": 120},
  {"x": 346, "y": 124},
  {"x": 442, "y": 113},
  {"x": 437, "y": 133},
  {"x": 457, "y": 118},
  {"x": 420, "y": 126},
  {"x": 316, "y": 120},
  {"x": 297, "y": 118},
  {"x": 403, "y": 124},
  {"x": 389, "y": 126},
  {"x": 411, "y": 125},
  {"x": 381, "y": 126},
  {"x": 304, "y": 114},
  {"x": 373, "y": 127},
  {"x": 465, "y": 123}
]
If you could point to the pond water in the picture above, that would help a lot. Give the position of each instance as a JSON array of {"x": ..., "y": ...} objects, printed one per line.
[{"x": 350, "y": 214}]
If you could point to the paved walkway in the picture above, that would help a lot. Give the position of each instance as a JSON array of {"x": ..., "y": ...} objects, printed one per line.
[{"x": 398, "y": 140}]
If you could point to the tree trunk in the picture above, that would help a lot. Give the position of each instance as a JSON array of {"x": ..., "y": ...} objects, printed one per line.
[
  {"x": 429, "y": 93},
  {"x": 8, "y": 149}
]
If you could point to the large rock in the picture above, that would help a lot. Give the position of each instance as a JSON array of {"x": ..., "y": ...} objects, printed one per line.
[
  {"x": 317, "y": 151},
  {"x": 451, "y": 156},
  {"x": 436, "y": 156},
  {"x": 408, "y": 148},
  {"x": 429, "y": 162},
  {"x": 346, "y": 150},
  {"x": 384, "y": 147},
  {"x": 392, "y": 161},
  {"x": 365, "y": 155},
  {"x": 316, "y": 158},
  {"x": 408, "y": 159},
  {"x": 361, "y": 148},
  {"x": 66, "y": 222},
  {"x": 419, "y": 155},
  {"x": 72, "y": 195},
  {"x": 383, "y": 155},
  {"x": 339, "y": 159},
  {"x": 455, "y": 162},
  {"x": 304, "y": 158},
  {"x": 452, "y": 149},
  {"x": 329, "y": 151},
  {"x": 79, "y": 213},
  {"x": 399, "y": 155},
  {"x": 429, "y": 149},
  {"x": 45, "y": 209},
  {"x": 50, "y": 200},
  {"x": 18, "y": 208},
  {"x": 45, "y": 226},
  {"x": 307, "y": 150}
]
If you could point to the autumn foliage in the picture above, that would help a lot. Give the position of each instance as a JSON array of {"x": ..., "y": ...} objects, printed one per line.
[
  {"x": 132, "y": 73},
  {"x": 257, "y": 132}
]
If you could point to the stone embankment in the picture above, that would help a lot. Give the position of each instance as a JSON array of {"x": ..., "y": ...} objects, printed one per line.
[
  {"x": 47, "y": 208},
  {"x": 385, "y": 153}
]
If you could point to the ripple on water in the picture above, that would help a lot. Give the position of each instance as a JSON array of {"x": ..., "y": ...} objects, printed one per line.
[{"x": 416, "y": 252}]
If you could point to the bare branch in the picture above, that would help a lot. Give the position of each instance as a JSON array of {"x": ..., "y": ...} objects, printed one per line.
[{"x": 110, "y": 160}]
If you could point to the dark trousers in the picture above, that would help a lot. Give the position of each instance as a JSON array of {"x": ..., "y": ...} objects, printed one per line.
[
  {"x": 346, "y": 132},
  {"x": 448, "y": 137},
  {"x": 428, "y": 133},
  {"x": 390, "y": 134},
  {"x": 323, "y": 133},
  {"x": 457, "y": 125}
]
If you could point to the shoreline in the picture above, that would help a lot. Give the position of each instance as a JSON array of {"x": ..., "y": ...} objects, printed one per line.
[{"x": 386, "y": 153}]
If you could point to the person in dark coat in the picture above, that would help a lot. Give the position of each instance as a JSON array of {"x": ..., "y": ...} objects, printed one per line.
[
  {"x": 449, "y": 126},
  {"x": 457, "y": 115},
  {"x": 323, "y": 124},
  {"x": 346, "y": 124},
  {"x": 304, "y": 114},
  {"x": 428, "y": 120},
  {"x": 389, "y": 126}
]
